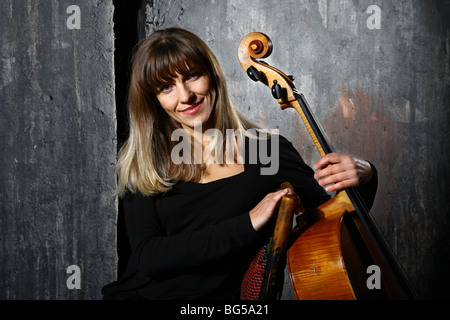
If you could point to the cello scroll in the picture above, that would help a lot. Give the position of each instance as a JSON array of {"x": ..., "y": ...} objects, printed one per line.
[{"x": 255, "y": 46}]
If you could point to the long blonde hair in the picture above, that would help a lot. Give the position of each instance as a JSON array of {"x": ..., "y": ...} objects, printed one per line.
[{"x": 144, "y": 162}]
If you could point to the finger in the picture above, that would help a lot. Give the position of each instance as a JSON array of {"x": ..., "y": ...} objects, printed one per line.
[
  {"x": 333, "y": 158},
  {"x": 329, "y": 171},
  {"x": 341, "y": 185},
  {"x": 281, "y": 193},
  {"x": 336, "y": 172},
  {"x": 265, "y": 208},
  {"x": 343, "y": 166},
  {"x": 271, "y": 199},
  {"x": 326, "y": 160},
  {"x": 276, "y": 199},
  {"x": 339, "y": 181},
  {"x": 325, "y": 172}
]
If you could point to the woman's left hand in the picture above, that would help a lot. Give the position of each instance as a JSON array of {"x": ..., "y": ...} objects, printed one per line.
[{"x": 341, "y": 171}]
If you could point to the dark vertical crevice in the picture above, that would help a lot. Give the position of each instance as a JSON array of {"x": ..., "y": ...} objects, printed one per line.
[{"x": 126, "y": 37}]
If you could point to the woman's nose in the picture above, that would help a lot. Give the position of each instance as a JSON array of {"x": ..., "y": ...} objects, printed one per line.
[{"x": 185, "y": 94}]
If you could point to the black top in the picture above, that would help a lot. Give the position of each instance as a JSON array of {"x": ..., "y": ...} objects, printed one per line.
[{"x": 196, "y": 241}]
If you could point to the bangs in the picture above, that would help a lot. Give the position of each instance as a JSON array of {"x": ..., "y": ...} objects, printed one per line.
[{"x": 168, "y": 59}]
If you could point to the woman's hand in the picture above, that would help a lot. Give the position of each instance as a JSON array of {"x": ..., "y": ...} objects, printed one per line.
[
  {"x": 264, "y": 210},
  {"x": 341, "y": 171}
]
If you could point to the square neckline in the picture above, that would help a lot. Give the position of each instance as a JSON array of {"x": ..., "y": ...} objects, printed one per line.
[{"x": 221, "y": 179}]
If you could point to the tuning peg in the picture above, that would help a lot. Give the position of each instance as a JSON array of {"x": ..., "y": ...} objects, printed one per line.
[
  {"x": 253, "y": 73},
  {"x": 277, "y": 92}
]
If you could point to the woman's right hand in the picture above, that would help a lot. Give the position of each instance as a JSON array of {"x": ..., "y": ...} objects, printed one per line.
[{"x": 264, "y": 210}]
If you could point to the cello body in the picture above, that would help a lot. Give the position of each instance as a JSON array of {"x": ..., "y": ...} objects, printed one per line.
[
  {"x": 328, "y": 258},
  {"x": 319, "y": 272},
  {"x": 335, "y": 251}
]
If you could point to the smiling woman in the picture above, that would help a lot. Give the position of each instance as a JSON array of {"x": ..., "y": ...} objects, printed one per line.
[
  {"x": 176, "y": 82},
  {"x": 194, "y": 226}
]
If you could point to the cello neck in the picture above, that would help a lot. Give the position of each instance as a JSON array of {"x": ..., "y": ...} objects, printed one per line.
[{"x": 316, "y": 132}]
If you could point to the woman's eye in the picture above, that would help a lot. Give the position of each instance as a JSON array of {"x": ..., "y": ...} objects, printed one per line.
[
  {"x": 193, "y": 75},
  {"x": 165, "y": 88}
]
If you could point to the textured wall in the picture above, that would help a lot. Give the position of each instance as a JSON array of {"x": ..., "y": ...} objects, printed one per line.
[
  {"x": 381, "y": 94},
  {"x": 58, "y": 138}
]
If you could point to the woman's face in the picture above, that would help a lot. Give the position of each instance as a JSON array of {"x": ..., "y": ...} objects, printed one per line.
[{"x": 188, "y": 99}]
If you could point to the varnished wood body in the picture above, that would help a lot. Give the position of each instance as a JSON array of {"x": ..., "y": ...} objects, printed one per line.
[
  {"x": 328, "y": 257},
  {"x": 315, "y": 259}
]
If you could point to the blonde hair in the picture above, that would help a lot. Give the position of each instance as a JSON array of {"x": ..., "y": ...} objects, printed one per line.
[{"x": 144, "y": 162}]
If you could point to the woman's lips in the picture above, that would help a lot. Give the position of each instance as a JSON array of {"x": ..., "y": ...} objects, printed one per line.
[{"x": 193, "y": 109}]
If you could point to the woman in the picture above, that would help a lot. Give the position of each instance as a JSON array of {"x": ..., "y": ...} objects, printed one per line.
[{"x": 193, "y": 226}]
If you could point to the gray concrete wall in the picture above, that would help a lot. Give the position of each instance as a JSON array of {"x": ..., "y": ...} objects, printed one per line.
[
  {"x": 381, "y": 94},
  {"x": 58, "y": 139}
]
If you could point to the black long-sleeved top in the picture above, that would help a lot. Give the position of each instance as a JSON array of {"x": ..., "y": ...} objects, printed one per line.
[{"x": 195, "y": 241}]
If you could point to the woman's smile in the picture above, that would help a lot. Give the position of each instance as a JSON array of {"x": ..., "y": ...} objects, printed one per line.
[{"x": 193, "y": 109}]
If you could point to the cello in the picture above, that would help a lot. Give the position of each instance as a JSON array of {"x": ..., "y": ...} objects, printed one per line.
[{"x": 334, "y": 249}]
